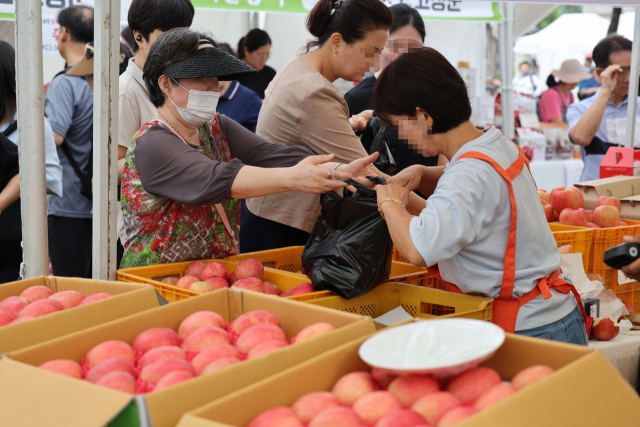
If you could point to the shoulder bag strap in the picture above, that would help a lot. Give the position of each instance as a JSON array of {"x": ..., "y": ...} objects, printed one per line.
[
  {"x": 72, "y": 161},
  {"x": 11, "y": 128}
]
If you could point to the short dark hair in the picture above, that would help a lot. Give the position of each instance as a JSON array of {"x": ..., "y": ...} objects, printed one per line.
[
  {"x": 253, "y": 41},
  {"x": 403, "y": 15},
  {"x": 172, "y": 46},
  {"x": 607, "y": 46},
  {"x": 125, "y": 55},
  {"x": 7, "y": 81},
  {"x": 423, "y": 78},
  {"x": 227, "y": 48},
  {"x": 352, "y": 19},
  {"x": 146, "y": 16},
  {"x": 78, "y": 20},
  {"x": 127, "y": 35}
]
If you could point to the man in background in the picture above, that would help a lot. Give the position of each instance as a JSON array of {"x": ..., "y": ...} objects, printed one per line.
[
  {"x": 68, "y": 104},
  {"x": 527, "y": 82}
]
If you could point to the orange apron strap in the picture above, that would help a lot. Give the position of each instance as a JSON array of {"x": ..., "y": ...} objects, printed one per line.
[{"x": 509, "y": 274}]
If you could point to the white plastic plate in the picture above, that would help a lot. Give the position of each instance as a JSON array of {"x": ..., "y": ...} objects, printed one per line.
[{"x": 440, "y": 347}]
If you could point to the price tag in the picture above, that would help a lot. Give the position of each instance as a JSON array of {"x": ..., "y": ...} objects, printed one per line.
[
  {"x": 529, "y": 120},
  {"x": 623, "y": 279}
]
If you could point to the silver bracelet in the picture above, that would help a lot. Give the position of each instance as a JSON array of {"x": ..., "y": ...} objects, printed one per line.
[{"x": 335, "y": 168}]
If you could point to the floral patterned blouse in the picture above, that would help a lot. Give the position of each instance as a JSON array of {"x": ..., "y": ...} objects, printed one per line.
[{"x": 169, "y": 188}]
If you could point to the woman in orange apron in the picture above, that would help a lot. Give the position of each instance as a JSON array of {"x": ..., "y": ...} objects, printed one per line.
[{"x": 483, "y": 229}]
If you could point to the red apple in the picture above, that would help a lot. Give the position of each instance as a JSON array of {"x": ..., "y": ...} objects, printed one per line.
[
  {"x": 563, "y": 198},
  {"x": 606, "y": 216},
  {"x": 574, "y": 217},
  {"x": 544, "y": 195},
  {"x": 632, "y": 312},
  {"x": 592, "y": 225},
  {"x": 605, "y": 329},
  {"x": 609, "y": 201},
  {"x": 548, "y": 210},
  {"x": 622, "y": 224},
  {"x": 556, "y": 216}
]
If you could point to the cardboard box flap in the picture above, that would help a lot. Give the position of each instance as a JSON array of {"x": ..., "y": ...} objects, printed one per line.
[
  {"x": 590, "y": 392},
  {"x": 630, "y": 208},
  {"x": 30, "y": 397},
  {"x": 55, "y": 325},
  {"x": 618, "y": 186},
  {"x": 189, "y": 420}
]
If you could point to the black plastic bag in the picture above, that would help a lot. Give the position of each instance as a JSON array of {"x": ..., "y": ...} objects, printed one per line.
[
  {"x": 373, "y": 140},
  {"x": 349, "y": 249}
]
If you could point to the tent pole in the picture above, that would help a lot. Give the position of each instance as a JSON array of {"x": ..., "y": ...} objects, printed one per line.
[
  {"x": 506, "y": 69},
  {"x": 633, "y": 83},
  {"x": 33, "y": 182},
  {"x": 105, "y": 131}
]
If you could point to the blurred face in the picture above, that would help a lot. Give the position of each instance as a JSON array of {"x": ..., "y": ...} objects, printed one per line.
[
  {"x": 400, "y": 41},
  {"x": 180, "y": 95},
  {"x": 258, "y": 58},
  {"x": 525, "y": 69},
  {"x": 354, "y": 60},
  {"x": 416, "y": 132}
]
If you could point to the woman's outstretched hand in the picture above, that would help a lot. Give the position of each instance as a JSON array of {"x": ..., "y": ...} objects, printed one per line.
[
  {"x": 360, "y": 167},
  {"x": 408, "y": 178},
  {"x": 311, "y": 177}
]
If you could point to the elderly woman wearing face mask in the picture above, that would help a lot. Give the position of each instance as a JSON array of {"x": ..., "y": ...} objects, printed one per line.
[{"x": 185, "y": 170}]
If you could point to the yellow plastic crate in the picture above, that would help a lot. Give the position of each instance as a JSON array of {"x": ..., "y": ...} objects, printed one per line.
[
  {"x": 153, "y": 275},
  {"x": 580, "y": 239},
  {"x": 606, "y": 238},
  {"x": 396, "y": 255},
  {"x": 418, "y": 301}
]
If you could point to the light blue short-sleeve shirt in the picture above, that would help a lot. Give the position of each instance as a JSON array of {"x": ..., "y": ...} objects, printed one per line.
[
  {"x": 464, "y": 229},
  {"x": 611, "y": 133},
  {"x": 68, "y": 105}
]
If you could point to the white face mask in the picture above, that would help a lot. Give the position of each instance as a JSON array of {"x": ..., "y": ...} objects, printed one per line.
[{"x": 201, "y": 106}]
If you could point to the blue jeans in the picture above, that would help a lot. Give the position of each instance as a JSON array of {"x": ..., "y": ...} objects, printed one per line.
[{"x": 569, "y": 329}]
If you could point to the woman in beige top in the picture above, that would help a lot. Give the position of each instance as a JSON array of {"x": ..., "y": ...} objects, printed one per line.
[{"x": 303, "y": 107}]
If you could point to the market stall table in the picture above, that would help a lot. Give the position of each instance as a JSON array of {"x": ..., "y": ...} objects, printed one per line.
[
  {"x": 556, "y": 173},
  {"x": 624, "y": 353}
]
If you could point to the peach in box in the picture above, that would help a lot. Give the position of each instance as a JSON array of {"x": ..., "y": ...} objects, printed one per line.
[
  {"x": 469, "y": 385},
  {"x": 352, "y": 386},
  {"x": 217, "y": 283},
  {"x": 249, "y": 268},
  {"x": 314, "y": 330},
  {"x": 280, "y": 416},
  {"x": 530, "y": 375},
  {"x": 302, "y": 288},
  {"x": 5, "y": 319},
  {"x": 155, "y": 337},
  {"x": 66, "y": 367},
  {"x": 41, "y": 307},
  {"x": 310, "y": 405},
  {"x": 265, "y": 348},
  {"x": 119, "y": 380},
  {"x": 410, "y": 388},
  {"x": 457, "y": 415},
  {"x": 214, "y": 269},
  {"x": 494, "y": 395},
  {"x": 435, "y": 405},
  {"x": 172, "y": 378},
  {"x": 253, "y": 318},
  {"x": 402, "y": 418},
  {"x": 199, "y": 319},
  {"x": 271, "y": 289},
  {"x": 260, "y": 334},
  {"x": 95, "y": 297},
  {"x": 160, "y": 353},
  {"x": 373, "y": 406},
  {"x": 219, "y": 365},
  {"x": 35, "y": 293},
  {"x": 68, "y": 299},
  {"x": 606, "y": 216},
  {"x": 157, "y": 370},
  {"x": 205, "y": 337},
  {"x": 13, "y": 305},
  {"x": 211, "y": 354},
  {"x": 109, "y": 349},
  {"x": 336, "y": 417},
  {"x": 110, "y": 365}
]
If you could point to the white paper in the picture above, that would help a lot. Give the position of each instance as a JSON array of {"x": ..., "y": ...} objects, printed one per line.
[
  {"x": 610, "y": 305},
  {"x": 393, "y": 317},
  {"x": 625, "y": 326},
  {"x": 572, "y": 267}
]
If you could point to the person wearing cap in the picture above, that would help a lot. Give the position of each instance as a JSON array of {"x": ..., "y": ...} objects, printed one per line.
[
  {"x": 599, "y": 122},
  {"x": 84, "y": 67},
  {"x": 555, "y": 101},
  {"x": 186, "y": 169}
]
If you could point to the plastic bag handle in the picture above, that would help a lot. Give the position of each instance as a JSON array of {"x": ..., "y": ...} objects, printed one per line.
[{"x": 379, "y": 180}]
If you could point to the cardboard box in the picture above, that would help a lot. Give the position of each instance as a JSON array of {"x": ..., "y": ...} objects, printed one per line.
[
  {"x": 165, "y": 407},
  {"x": 620, "y": 161},
  {"x": 619, "y": 186},
  {"x": 630, "y": 208},
  {"x": 128, "y": 299},
  {"x": 586, "y": 390}
]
